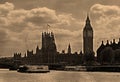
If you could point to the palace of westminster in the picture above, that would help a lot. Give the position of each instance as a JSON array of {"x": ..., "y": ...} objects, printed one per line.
[{"x": 108, "y": 53}]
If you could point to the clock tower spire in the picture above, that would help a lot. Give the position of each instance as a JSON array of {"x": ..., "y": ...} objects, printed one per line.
[{"x": 87, "y": 37}]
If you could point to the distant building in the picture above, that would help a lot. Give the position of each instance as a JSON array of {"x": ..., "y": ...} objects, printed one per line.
[
  {"x": 69, "y": 49},
  {"x": 89, "y": 56},
  {"x": 109, "y": 53},
  {"x": 48, "y": 53},
  {"x": 17, "y": 59},
  {"x": 17, "y": 56},
  {"x": 87, "y": 37}
]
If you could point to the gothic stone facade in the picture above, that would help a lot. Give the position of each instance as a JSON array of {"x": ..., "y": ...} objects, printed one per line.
[
  {"x": 109, "y": 53},
  {"x": 48, "y": 53}
]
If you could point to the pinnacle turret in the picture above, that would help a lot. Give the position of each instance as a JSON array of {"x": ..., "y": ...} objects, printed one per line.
[
  {"x": 69, "y": 49},
  {"x": 87, "y": 20}
]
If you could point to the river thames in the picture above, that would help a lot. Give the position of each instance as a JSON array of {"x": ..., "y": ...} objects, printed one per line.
[{"x": 59, "y": 76}]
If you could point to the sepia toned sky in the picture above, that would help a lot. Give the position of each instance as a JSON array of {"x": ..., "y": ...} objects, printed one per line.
[{"x": 23, "y": 21}]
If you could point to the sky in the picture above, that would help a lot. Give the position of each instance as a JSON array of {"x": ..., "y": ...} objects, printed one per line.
[{"x": 23, "y": 21}]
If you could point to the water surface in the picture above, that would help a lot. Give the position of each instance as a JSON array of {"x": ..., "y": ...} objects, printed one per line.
[{"x": 58, "y": 76}]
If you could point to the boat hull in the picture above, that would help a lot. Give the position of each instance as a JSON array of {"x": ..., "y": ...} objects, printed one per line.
[{"x": 33, "y": 69}]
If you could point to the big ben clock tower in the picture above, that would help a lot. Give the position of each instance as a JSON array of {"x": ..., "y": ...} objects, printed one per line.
[{"x": 87, "y": 37}]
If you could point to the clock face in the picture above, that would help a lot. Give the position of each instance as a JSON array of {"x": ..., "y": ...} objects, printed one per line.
[{"x": 90, "y": 33}]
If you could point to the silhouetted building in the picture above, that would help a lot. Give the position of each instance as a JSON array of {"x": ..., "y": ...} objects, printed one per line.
[
  {"x": 69, "y": 49},
  {"x": 48, "y": 53},
  {"x": 48, "y": 47},
  {"x": 88, "y": 43},
  {"x": 109, "y": 53},
  {"x": 17, "y": 59},
  {"x": 17, "y": 56},
  {"x": 87, "y": 37}
]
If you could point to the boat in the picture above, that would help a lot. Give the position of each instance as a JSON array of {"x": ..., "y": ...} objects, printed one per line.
[{"x": 33, "y": 69}]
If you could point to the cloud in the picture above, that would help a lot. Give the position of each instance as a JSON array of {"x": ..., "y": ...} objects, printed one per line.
[
  {"x": 22, "y": 25},
  {"x": 41, "y": 16},
  {"x": 3, "y": 41},
  {"x": 105, "y": 9},
  {"x": 3, "y": 36},
  {"x": 106, "y": 15},
  {"x": 19, "y": 19},
  {"x": 6, "y": 8},
  {"x": 106, "y": 18}
]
